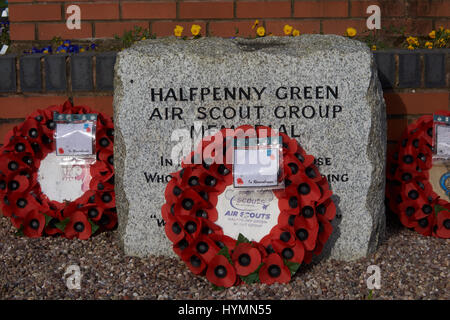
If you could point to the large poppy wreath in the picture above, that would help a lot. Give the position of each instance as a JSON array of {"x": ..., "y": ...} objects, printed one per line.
[
  {"x": 22, "y": 199},
  {"x": 409, "y": 193},
  {"x": 190, "y": 213}
]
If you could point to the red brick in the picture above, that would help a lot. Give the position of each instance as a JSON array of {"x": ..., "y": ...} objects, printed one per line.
[
  {"x": 416, "y": 103},
  {"x": 102, "y": 104},
  {"x": 165, "y": 28},
  {"x": 46, "y": 31},
  {"x": 228, "y": 28},
  {"x": 304, "y": 26},
  {"x": 208, "y": 10},
  {"x": 340, "y": 26},
  {"x": 388, "y": 8},
  {"x": 22, "y": 31},
  {"x": 109, "y": 29},
  {"x": 395, "y": 128},
  {"x": 17, "y": 107},
  {"x": 430, "y": 8},
  {"x": 319, "y": 9},
  {"x": 12, "y": 1},
  {"x": 144, "y": 10},
  {"x": 5, "y": 128},
  {"x": 259, "y": 9},
  {"x": 97, "y": 11},
  {"x": 34, "y": 12},
  {"x": 411, "y": 26}
]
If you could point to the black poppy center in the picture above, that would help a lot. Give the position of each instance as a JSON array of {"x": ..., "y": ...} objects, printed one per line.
[
  {"x": 190, "y": 227},
  {"x": 33, "y": 133},
  {"x": 34, "y": 224},
  {"x": 447, "y": 223},
  {"x": 294, "y": 167},
  {"x": 274, "y": 271},
  {"x": 104, "y": 142},
  {"x": 287, "y": 253},
  {"x": 106, "y": 197},
  {"x": 12, "y": 165},
  {"x": 202, "y": 247},
  {"x": 78, "y": 226},
  {"x": 302, "y": 234},
  {"x": 210, "y": 181},
  {"x": 195, "y": 261},
  {"x": 21, "y": 203},
  {"x": 202, "y": 214},
  {"x": 244, "y": 259},
  {"x": 20, "y": 147},
  {"x": 406, "y": 176},
  {"x": 427, "y": 209},
  {"x": 423, "y": 223},
  {"x": 193, "y": 181},
  {"x": 92, "y": 213},
  {"x": 413, "y": 194},
  {"x": 293, "y": 203},
  {"x": 307, "y": 212},
  {"x": 310, "y": 173},
  {"x": 285, "y": 236},
  {"x": 408, "y": 159},
  {"x": 291, "y": 219},
  {"x": 176, "y": 191},
  {"x": 220, "y": 272},
  {"x": 299, "y": 157},
  {"x": 13, "y": 185},
  {"x": 187, "y": 204},
  {"x": 223, "y": 170},
  {"x": 304, "y": 189}
]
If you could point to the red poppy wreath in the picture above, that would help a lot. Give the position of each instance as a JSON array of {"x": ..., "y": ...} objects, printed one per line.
[
  {"x": 409, "y": 193},
  {"x": 190, "y": 213},
  {"x": 22, "y": 199}
]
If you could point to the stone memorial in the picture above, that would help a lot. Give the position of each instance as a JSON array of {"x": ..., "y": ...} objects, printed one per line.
[{"x": 322, "y": 90}]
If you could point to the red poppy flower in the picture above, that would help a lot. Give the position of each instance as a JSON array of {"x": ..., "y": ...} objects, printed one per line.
[
  {"x": 206, "y": 247},
  {"x": 286, "y": 218},
  {"x": 443, "y": 223},
  {"x": 325, "y": 229},
  {"x": 78, "y": 226},
  {"x": 425, "y": 225},
  {"x": 33, "y": 224},
  {"x": 220, "y": 272},
  {"x": 326, "y": 207},
  {"x": 274, "y": 270},
  {"x": 174, "y": 229},
  {"x": 294, "y": 253},
  {"x": 222, "y": 240},
  {"x": 246, "y": 259},
  {"x": 193, "y": 260},
  {"x": 306, "y": 230},
  {"x": 285, "y": 235},
  {"x": 108, "y": 220}
]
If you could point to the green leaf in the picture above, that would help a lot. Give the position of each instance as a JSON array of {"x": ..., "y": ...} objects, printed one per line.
[
  {"x": 19, "y": 232},
  {"x": 293, "y": 266},
  {"x": 242, "y": 239},
  {"x": 438, "y": 208},
  {"x": 94, "y": 227},
  {"x": 224, "y": 252},
  {"x": 62, "y": 224},
  {"x": 47, "y": 219},
  {"x": 252, "y": 277},
  {"x": 217, "y": 288}
]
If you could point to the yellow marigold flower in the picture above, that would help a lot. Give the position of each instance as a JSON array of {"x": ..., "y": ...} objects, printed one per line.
[
  {"x": 63, "y": 51},
  {"x": 178, "y": 31},
  {"x": 261, "y": 31},
  {"x": 287, "y": 29},
  {"x": 441, "y": 28},
  {"x": 410, "y": 47},
  {"x": 374, "y": 47},
  {"x": 82, "y": 50},
  {"x": 143, "y": 38},
  {"x": 295, "y": 33},
  {"x": 412, "y": 40},
  {"x": 255, "y": 24},
  {"x": 432, "y": 34},
  {"x": 351, "y": 32},
  {"x": 195, "y": 29}
]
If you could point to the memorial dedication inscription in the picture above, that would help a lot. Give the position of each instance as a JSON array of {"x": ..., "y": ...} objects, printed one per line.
[{"x": 321, "y": 90}]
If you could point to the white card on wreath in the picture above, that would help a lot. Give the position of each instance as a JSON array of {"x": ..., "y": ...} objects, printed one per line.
[
  {"x": 74, "y": 139},
  {"x": 256, "y": 167}
]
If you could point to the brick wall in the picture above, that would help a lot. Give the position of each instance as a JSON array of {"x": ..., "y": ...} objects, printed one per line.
[
  {"x": 44, "y": 19},
  {"x": 414, "y": 83}
]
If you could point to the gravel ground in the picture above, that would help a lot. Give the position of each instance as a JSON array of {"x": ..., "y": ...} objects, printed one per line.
[{"x": 412, "y": 267}]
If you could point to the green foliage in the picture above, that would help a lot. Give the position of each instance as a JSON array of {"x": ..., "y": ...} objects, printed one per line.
[
  {"x": 47, "y": 219},
  {"x": 242, "y": 239},
  {"x": 62, "y": 224},
  {"x": 226, "y": 253},
  {"x": 132, "y": 36},
  {"x": 3, "y": 4},
  {"x": 252, "y": 277},
  {"x": 94, "y": 227},
  {"x": 217, "y": 288},
  {"x": 19, "y": 232},
  {"x": 438, "y": 208},
  {"x": 293, "y": 266}
]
